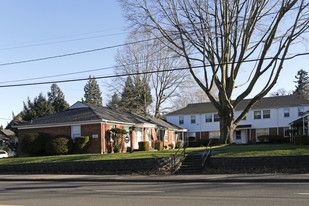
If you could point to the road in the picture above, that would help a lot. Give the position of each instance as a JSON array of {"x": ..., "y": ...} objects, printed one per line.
[{"x": 47, "y": 193}]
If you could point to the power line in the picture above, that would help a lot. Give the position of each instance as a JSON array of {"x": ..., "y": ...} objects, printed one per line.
[{"x": 149, "y": 72}]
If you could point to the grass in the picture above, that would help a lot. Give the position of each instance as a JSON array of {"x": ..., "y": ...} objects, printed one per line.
[
  {"x": 260, "y": 150},
  {"x": 218, "y": 151},
  {"x": 94, "y": 157}
]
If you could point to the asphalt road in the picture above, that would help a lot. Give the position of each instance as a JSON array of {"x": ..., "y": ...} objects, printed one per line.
[{"x": 39, "y": 193}]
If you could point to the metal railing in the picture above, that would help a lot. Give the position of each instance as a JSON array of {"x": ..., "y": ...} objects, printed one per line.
[
  {"x": 206, "y": 154},
  {"x": 179, "y": 156}
]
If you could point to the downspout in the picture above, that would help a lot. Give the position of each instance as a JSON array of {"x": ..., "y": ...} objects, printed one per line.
[{"x": 104, "y": 123}]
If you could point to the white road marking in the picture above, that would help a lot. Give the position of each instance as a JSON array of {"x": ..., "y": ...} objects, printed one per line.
[
  {"x": 131, "y": 191},
  {"x": 301, "y": 193}
]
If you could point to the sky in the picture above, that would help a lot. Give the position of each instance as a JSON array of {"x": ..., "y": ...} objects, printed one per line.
[{"x": 35, "y": 29}]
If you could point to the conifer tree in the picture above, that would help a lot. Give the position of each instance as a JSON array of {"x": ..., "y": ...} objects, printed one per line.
[
  {"x": 56, "y": 98},
  {"x": 114, "y": 103},
  {"x": 302, "y": 87},
  {"x": 38, "y": 108},
  {"x": 92, "y": 95}
]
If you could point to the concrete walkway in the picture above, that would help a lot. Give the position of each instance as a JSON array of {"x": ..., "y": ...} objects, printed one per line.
[{"x": 163, "y": 178}]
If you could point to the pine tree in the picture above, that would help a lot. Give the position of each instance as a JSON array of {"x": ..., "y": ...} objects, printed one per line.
[
  {"x": 1, "y": 127},
  {"x": 38, "y": 108},
  {"x": 115, "y": 102},
  {"x": 92, "y": 95},
  {"x": 302, "y": 87},
  {"x": 136, "y": 96},
  {"x": 56, "y": 98}
]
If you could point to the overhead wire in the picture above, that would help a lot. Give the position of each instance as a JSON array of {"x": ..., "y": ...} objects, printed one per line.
[{"x": 148, "y": 72}]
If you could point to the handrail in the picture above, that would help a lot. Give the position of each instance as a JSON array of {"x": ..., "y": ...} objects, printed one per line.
[
  {"x": 183, "y": 153},
  {"x": 206, "y": 154}
]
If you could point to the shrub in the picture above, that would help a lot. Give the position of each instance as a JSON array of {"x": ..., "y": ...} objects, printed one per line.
[
  {"x": 5, "y": 148},
  {"x": 117, "y": 137},
  {"x": 272, "y": 139},
  {"x": 301, "y": 139},
  {"x": 59, "y": 145},
  {"x": 143, "y": 146},
  {"x": 159, "y": 145},
  {"x": 179, "y": 144},
  {"x": 171, "y": 146},
  {"x": 80, "y": 143},
  {"x": 34, "y": 143}
]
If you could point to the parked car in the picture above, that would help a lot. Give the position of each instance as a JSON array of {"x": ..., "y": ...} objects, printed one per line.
[{"x": 3, "y": 154}]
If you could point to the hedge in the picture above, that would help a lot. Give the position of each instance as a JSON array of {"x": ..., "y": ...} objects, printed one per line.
[{"x": 143, "y": 146}]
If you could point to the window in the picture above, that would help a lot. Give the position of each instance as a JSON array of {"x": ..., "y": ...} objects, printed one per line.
[
  {"x": 192, "y": 137},
  {"x": 208, "y": 117},
  {"x": 300, "y": 111},
  {"x": 216, "y": 118},
  {"x": 257, "y": 114},
  {"x": 75, "y": 131},
  {"x": 286, "y": 112},
  {"x": 193, "y": 119},
  {"x": 238, "y": 134},
  {"x": 214, "y": 135},
  {"x": 266, "y": 114},
  {"x": 260, "y": 132},
  {"x": 181, "y": 119},
  {"x": 166, "y": 135},
  {"x": 286, "y": 132}
]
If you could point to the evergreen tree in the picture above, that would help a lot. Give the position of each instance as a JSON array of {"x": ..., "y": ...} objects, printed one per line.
[
  {"x": 1, "y": 127},
  {"x": 92, "y": 95},
  {"x": 144, "y": 98},
  {"x": 56, "y": 98},
  {"x": 114, "y": 103},
  {"x": 128, "y": 101},
  {"x": 38, "y": 108},
  {"x": 136, "y": 96},
  {"x": 302, "y": 87}
]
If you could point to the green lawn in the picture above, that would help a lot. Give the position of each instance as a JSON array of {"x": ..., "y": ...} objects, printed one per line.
[
  {"x": 260, "y": 150},
  {"x": 218, "y": 151},
  {"x": 94, "y": 157}
]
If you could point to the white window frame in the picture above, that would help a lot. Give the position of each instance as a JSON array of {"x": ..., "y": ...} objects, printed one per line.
[
  {"x": 192, "y": 134},
  {"x": 266, "y": 117},
  {"x": 208, "y": 118},
  {"x": 257, "y": 116},
  {"x": 216, "y": 117},
  {"x": 214, "y": 135},
  {"x": 301, "y": 111},
  {"x": 181, "y": 120},
  {"x": 193, "y": 119},
  {"x": 76, "y": 131},
  {"x": 266, "y": 132},
  {"x": 286, "y": 112}
]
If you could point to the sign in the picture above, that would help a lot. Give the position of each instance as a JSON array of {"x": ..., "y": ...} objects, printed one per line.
[
  {"x": 127, "y": 139},
  {"x": 95, "y": 136}
]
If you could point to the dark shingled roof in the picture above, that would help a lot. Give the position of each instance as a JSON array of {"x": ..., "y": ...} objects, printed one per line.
[
  {"x": 265, "y": 103},
  {"x": 96, "y": 113}
]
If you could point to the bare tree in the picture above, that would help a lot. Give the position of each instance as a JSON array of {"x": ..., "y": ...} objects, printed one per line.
[
  {"x": 154, "y": 61},
  {"x": 280, "y": 92},
  {"x": 220, "y": 36},
  {"x": 188, "y": 93}
]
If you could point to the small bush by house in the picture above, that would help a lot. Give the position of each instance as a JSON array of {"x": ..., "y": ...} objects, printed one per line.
[
  {"x": 272, "y": 139},
  {"x": 80, "y": 144},
  {"x": 143, "y": 146},
  {"x": 59, "y": 145},
  {"x": 179, "y": 143},
  {"x": 171, "y": 146},
  {"x": 159, "y": 145},
  {"x": 34, "y": 143},
  {"x": 301, "y": 139}
]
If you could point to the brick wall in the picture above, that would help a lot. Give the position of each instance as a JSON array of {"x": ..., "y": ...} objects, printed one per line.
[{"x": 94, "y": 143}]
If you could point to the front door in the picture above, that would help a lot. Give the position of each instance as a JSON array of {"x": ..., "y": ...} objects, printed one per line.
[{"x": 138, "y": 137}]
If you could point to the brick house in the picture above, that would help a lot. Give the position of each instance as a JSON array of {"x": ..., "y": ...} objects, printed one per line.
[
  {"x": 83, "y": 119},
  {"x": 269, "y": 116}
]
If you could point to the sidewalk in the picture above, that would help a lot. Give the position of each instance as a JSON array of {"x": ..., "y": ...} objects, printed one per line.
[{"x": 168, "y": 178}]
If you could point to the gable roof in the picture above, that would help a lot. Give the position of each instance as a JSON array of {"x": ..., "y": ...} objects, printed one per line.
[
  {"x": 83, "y": 112},
  {"x": 6, "y": 134},
  {"x": 265, "y": 103}
]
